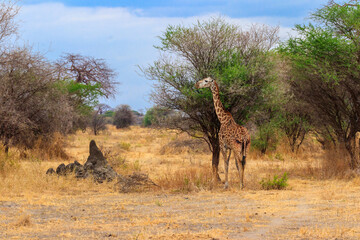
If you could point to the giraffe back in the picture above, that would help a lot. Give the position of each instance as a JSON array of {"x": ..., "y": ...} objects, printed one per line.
[{"x": 234, "y": 135}]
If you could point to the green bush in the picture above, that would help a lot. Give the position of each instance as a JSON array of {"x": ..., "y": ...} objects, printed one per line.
[
  {"x": 156, "y": 116},
  {"x": 267, "y": 137},
  {"x": 275, "y": 183}
]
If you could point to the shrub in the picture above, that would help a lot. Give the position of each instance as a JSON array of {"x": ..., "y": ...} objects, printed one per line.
[
  {"x": 98, "y": 118},
  {"x": 266, "y": 138},
  {"x": 156, "y": 116},
  {"x": 124, "y": 146},
  {"x": 123, "y": 116},
  {"x": 277, "y": 182}
]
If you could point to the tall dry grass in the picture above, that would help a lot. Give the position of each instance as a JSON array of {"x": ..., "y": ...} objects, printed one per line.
[
  {"x": 187, "y": 180},
  {"x": 50, "y": 150},
  {"x": 29, "y": 179},
  {"x": 9, "y": 163},
  {"x": 310, "y": 161},
  {"x": 336, "y": 164},
  {"x": 183, "y": 144},
  {"x": 176, "y": 162}
]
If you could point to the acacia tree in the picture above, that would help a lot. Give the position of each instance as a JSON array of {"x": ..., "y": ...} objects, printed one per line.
[
  {"x": 89, "y": 71},
  {"x": 86, "y": 80},
  {"x": 239, "y": 61},
  {"x": 325, "y": 61}
]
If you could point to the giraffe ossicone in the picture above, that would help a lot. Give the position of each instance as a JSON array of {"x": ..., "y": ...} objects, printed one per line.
[{"x": 232, "y": 137}]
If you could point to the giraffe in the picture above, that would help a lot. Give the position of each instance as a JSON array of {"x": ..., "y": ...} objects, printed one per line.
[{"x": 232, "y": 137}]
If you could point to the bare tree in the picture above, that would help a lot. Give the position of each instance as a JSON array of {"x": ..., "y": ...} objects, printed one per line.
[
  {"x": 8, "y": 26},
  {"x": 98, "y": 121},
  {"x": 31, "y": 102}
]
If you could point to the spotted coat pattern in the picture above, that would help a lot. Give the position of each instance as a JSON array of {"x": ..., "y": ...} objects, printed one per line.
[{"x": 232, "y": 137}]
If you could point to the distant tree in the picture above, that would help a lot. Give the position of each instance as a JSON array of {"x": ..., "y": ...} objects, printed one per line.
[
  {"x": 156, "y": 117},
  {"x": 123, "y": 116},
  {"x": 109, "y": 113},
  {"x": 239, "y": 60},
  {"x": 98, "y": 118},
  {"x": 325, "y": 72}
]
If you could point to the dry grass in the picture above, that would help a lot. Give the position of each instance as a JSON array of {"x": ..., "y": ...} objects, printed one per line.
[
  {"x": 187, "y": 180},
  {"x": 23, "y": 221},
  {"x": 183, "y": 144},
  {"x": 9, "y": 163},
  {"x": 318, "y": 204}
]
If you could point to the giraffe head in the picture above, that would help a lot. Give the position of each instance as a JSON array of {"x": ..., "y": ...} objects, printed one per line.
[{"x": 206, "y": 82}]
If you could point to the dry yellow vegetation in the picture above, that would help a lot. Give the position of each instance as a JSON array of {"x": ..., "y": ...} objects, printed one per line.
[{"x": 186, "y": 205}]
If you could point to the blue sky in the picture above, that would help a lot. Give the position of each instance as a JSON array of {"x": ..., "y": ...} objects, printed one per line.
[{"x": 124, "y": 32}]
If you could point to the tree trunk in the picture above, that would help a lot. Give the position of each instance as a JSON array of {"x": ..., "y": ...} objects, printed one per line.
[
  {"x": 215, "y": 161},
  {"x": 292, "y": 147},
  {"x": 351, "y": 148},
  {"x": 6, "y": 146}
]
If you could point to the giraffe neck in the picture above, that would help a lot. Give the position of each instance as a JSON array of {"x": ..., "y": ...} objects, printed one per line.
[{"x": 222, "y": 115}]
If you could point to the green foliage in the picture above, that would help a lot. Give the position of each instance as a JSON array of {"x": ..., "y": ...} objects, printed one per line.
[
  {"x": 109, "y": 114},
  {"x": 124, "y": 146},
  {"x": 83, "y": 98},
  {"x": 276, "y": 183},
  {"x": 268, "y": 118},
  {"x": 86, "y": 95},
  {"x": 147, "y": 119},
  {"x": 266, "y": 137},
  {"x": 325, "y": 70},
  {"x": 155, "y": 116},
  {"x": 136, "y": 166}
]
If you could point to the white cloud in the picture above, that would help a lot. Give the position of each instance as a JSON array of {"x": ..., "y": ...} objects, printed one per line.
[{"x": 121, "y": 36}]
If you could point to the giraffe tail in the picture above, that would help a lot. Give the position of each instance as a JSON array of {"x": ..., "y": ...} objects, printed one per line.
[{"x": 243, "y": 146}]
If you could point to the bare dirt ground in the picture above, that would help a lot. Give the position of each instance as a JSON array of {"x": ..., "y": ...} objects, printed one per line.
[{"x": 36, "y": 206}]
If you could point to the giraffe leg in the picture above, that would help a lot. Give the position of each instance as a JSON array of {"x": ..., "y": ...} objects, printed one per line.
[
  {"x": 241, "y": 168},
  {"x": 237, "y": 165},
  {"x": 245, "y": 149},
  {"x": 242, "y": 172},
  {"x": 226, "y": 165}
]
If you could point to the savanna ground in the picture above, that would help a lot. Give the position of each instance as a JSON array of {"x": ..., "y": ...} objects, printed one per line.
[{"x": 317, "y": 204}]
